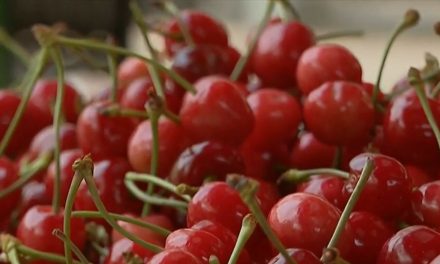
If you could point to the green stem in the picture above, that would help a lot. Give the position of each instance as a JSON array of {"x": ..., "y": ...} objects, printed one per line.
[
  {"x": 172, "y": 9},
  {"x": 111, "y": 61},
  {"x": 435, "y": 91},
  {"x": 213, "y": 260},
  {"x": 155, "y": 228},
  {"x": 245, "y": 57},
  {"x": 290, "y": 9},
  {"x": 247, "y": 228},
  {"x": 14, "y": 47},
  {"x": 340, "y": 34},
  {"x": 39, "y": 255},
  {"x": 297, "y": 176},
  {"x": 9, "y": 247},
  {"x": 66, "y": 240},
  {"x": 27, "y": 85}
]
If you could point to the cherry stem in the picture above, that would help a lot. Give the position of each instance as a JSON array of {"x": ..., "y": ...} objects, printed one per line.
[
  {"x": 93, "y": 214},
  {"x": 37, "y": 255},
  {"x": 332, "y": 256},
  {"x": 337, "y": 160},
  {"x": 27, "y": 85},
  {"x": 248, "y": 189},
  {"x": 111, "y": 61},
  {"x": 186, "y": 190},
  {"x": 27, "y": 174},
  {"x": 172, "y": 9},
  {"x": 245, "y": 57},
  {"x": 416, "y": 81},
  {"x": 8, "y": 246},
  {"x": 298, "y": 176},
  {"x": 411, "y": 18},
  {"x": 354, "y": 197},
  {"x": 213, "y": 260},
  {"x": 14, "y": 47},
  {"x": 247, "y": 228},
  {"x": 290, "y": 10},
  {"x": 151, "y": 179},
  {"x": 435, "y": 91},
  {"x": 84, "y": 168},
  {"x": 116, "y": 110},
  {"x": 340, "y": 34},
  {"x": 66, "y": 240}
]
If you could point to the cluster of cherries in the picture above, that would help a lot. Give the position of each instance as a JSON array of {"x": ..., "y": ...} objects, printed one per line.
[{"x": 281, "y": 155}]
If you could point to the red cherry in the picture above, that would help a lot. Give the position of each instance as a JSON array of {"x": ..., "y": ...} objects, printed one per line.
[
  {"x": 218, "y": 111},
  {"x": 203, "y": 28},
  {"x": 278, "y": 50},
  {"x": 103, "y": 136},
  {"x": 426, "y": 204},
  {"x": 131, "y": 69},
  {"x": 36, "y": 226},
  {"x": 388, "y": 189},
  {"x": 327, "y": 186},
  {"x": 135, "y": 95},
  {"x": 418, "y": 175},
  {"x": 122, "y": 247},
  {"x": 32, "y": 194},
  {"x": 339, "y": 113},
  {"x": 370, "y": 233},
  {"x": 301, "y": 256},
  {"x": 44, "y": 96},
  {"x": 207, "y": 159},
  {"x": 326, "y": 62},
  {"x": 172, "y": 141},
  {"x": 291, "y": 217},
  {"x": 414, "y": 244},
  {"x": 8, "y": 175},
  {"x": 277, "y": 116},
  {"x": 172, "y": 256}
]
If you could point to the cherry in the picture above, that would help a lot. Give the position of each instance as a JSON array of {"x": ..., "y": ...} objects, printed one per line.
[
  {"x": 207, "y": 159},
  {"x": 348, "y": 108},
  {"x": 203, "y": 29},
  {"x": 218, "y": 111},
  {"x": 135, "y": 94},
  {"x": 277, "y": 51},
  {"x": 199, "y": 243},
  {"x": 32, "y": 194},
  {"x": 406, "y": 122},
  {"x": 309, "y": 153},
  {"x": 326, "y": 62},
  {"x": 123, "y": 249},
  {"x": 8, "y": 175},
  {"x": 370, "y": 233},
  {"x": 36, "y": 226},
  {"x": 426, "y": 204},
  {"x": 130, "y": 69},
  {"x": 414, "y": 244},
  {"x": 291, "y": 217},
  {"x": 277, "y": 117},
  {"x": 388, "y": 189},
  {"x": 418, "y": 175},
  {"x": 172, "y": 256},
  {"x": 327, "y": 186},
  {"x": 301, "y": 256},
  {"x": 103, "y": 136},
  {"x": 44, "y": 94},
  {"x": 172, "y": 140}
]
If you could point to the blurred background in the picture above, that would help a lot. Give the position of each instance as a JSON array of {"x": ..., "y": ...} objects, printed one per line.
[{"x": 377, "y": 18}]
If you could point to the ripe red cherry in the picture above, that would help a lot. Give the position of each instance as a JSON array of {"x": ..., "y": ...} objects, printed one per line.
[
  {"x": 326, "y": 62},
  {"x": 135, "y": 95},
  {"x": 327, "y": 186},
  {"x": 36, "y": 226},
  {"x": 417, "y": 175},
  {"x": 388, "y": 189},
  {"x": 339, "y": 113},
  {"x": 218, "y": 111},
  {"x": 123, "y": 248},
  {"x": 44, "y": 96},
  {"x": 426, "y": 204},
  {"x": 277, "y": 52},
  {"x": 203, "y": 28},
  {"x": 8, "y": 175},
  {"x": 291, "y": 217},
  {"x": 172, "y": 140},
  {"x": 301, "y": 256},
  {"x": 207, "y": 159},
  {"x": 406, "y": 122},
  {"x": 277, "y": 116},
  {"x": 370, "y": 233},
  {"x": 33, "y": 193},
  {"x": 103, "y": 136},
  {"x": 131, "y": 69},
  {"x": 172, "y": 256},
  {"x": 414, "y": 244},
  {"x": 44, "y": 141}
]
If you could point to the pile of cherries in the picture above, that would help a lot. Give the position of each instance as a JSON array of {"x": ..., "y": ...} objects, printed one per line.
[{"x": 284, "y": 151}]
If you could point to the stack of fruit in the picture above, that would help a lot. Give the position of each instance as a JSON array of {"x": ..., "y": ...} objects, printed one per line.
[{"x": 281, "y": 155}]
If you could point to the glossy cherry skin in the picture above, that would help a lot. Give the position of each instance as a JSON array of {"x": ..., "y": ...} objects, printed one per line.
[
  {"x": 200, "y": 243},
  {"x": 290, "y": 219},
  {"x": 206, "y": 159},
  {"x": 44, "y": 96},
  {"x": 370, "y": 233},
  {"x": 172, "y": 256},
  {"x": 32, "y": 194},
  {"x": 36, "y": 226},
  {"x": 67, "y": 159},
  {"x": 426, "y": 204},
  {"x": 277, "y": 116},
  {"x": 414, "y": 244},
  {"x": 339, "y": 113},
  {"x": 125, "y": 246},
  {"x": 276, "y": 54},
  {"x": 109, "y": 178},
  {"x": 387, "y": 192},
  {"x": 436, "y": 260},
  {"x": 418, "y": 175},
  {"x": 406, "y": 122},
  {"x": 326, "y": 62},
  {"x": 203, "y": 28},
  {"x": 103, "y": 136},
  {"x": 135, "y": 95},
  {"x": 327, "y": 186},
  {"x": 301, "y": 256},
  {"x": 172, "y": 140},
  {"x": 8, "y": 175},
  {"x": 218, "y": 111},
  {"x": 131, "y": 69},
  {"x": 308, "y": 153}
]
